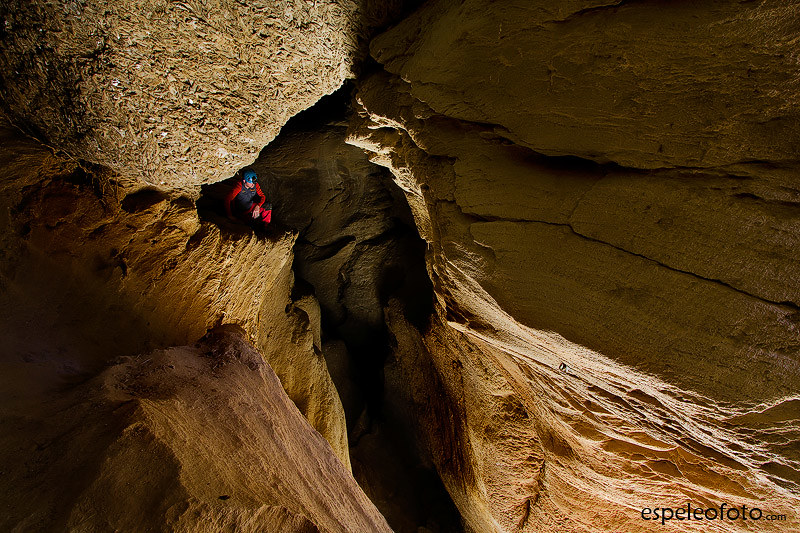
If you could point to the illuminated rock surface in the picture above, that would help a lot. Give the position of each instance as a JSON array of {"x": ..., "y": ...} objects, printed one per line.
[
  {"x": 668, "y": 293},
  {"x": 147, "y": 274},
  {"x": 191, "y": 438},
  {"x": 174, "y": 93},
  {"x": 608, "y": 201}
]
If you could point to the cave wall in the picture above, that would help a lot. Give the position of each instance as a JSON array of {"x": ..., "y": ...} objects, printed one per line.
[
  {"x": 609, "y": 199},
  {"x": 643, "y": 84},
  {"x": 129, "y": 108},
  {"x": 347, "y": 217},
  {"x": 135, "y": 106},
  {"x": 188, "y": 438},
  {"x": 139, "y": 250},
  {"x": 612, "y": 188},
  {"x": 356, "y": 249},
  {"x": 146, "y": 274}
]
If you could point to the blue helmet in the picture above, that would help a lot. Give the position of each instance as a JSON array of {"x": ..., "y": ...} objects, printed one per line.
[{"x": 249, "y": 176}]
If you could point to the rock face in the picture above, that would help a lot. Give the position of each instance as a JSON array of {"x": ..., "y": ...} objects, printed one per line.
[
  {"x": 148, "y": 274},
  {"x": 192, "y": 438},
  {"x": 356, "y": 249},
  {"x": 611, "y": 81},
  {"x": 171, "y": 96},
  {"x": 340, "y": 204},
  {"x": 174, "y": 93},
  {"x": 609, "y": 199},
  {"x": 350, "y": 224}
]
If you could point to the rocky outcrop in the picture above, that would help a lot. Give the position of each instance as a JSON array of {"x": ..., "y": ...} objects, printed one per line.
[
  {"x": 611, "y": 246},
  {"x": 608, "y": 198},
  {"x": 148, "y": 274},
  {"x": 174, "y": 93},
  {"x": 356, "y": 249},
  {"x": 289, "y": 339},
  {"x": 634, "y": 83},
  {"x": 191, "y": 438}
]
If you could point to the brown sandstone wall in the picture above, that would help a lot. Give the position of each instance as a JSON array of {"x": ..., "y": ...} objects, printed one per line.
[
  {"x": 92, "y": 271},
  {"x": 612, "y": 187},
  {"x": 190, "y": 438},
  {"x": 606, "y": 185}
]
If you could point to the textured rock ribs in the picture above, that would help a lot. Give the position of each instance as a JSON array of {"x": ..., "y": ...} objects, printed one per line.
[{"x": 667, "y": 295}]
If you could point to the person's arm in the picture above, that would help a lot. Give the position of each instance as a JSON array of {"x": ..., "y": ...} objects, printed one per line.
[
  {"x": 261, "y": 196},
  {"x": 265, "y": 212},
  {"x": 228, "y": 199},
  {"x": 257, "y": 208}
]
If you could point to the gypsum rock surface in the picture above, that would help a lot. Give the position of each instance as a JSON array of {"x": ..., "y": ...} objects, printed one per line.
[
  {"x": 190, "y": 438},
  {"x": 174, "y": 93},
  {"x": 687, "y": 348},
  {"x": 148, "y": 274}
]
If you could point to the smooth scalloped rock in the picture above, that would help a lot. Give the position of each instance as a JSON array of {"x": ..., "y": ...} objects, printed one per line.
[
  {"x": 641, "y": 84},
  {"x": 192, "y": 438}
]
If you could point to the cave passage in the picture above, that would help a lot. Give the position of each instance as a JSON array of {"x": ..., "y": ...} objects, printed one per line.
[{"x": 357, "y": 249}]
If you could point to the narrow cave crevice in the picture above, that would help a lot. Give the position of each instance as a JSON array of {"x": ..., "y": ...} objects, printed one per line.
[{"x": 357, "y": 249}]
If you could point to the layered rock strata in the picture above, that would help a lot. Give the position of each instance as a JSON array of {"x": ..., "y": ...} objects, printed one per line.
[
  {"x": 609, "y": 198},
  {"x": 611, "y": 232}
]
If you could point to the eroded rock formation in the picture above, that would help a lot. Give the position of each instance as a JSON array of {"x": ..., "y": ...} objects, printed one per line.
[
  {"x": 608, "y": 197},
  {"x": 146, "y": 274},
  {"x": 191, "y": 438},
  {"x": 593, "y": 204},
  {"x": 356, "y": 249},
  {"x": 174, "y": 93}
]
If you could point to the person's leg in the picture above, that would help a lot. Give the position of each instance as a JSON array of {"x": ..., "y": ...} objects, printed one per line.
[
  {"x": 266, "y": 216},
  {"x": 259, "y": 222}
]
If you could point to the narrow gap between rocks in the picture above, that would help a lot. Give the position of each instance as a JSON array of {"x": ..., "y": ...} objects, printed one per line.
[{"x": 357, "y": 248}]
